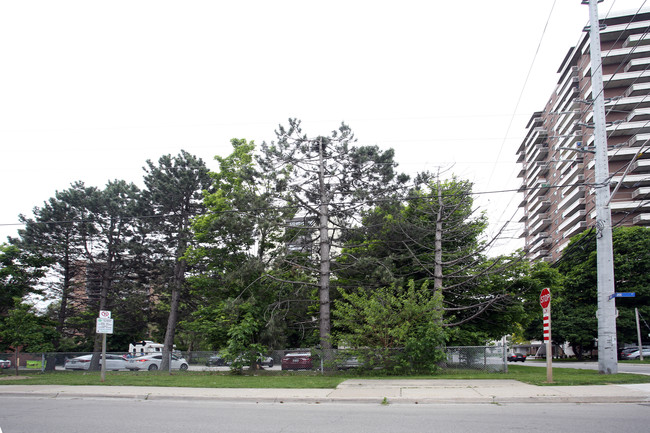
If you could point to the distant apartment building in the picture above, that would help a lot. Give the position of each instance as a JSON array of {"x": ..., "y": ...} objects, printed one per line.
[{"x": 556, "y": 156}]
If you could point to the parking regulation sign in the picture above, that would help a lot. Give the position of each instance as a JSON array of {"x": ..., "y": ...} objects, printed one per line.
[{"x": 104, "y": 326}]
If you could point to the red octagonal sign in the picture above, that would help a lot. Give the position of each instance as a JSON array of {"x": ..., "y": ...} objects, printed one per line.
[{"x": 545, "y": 298}]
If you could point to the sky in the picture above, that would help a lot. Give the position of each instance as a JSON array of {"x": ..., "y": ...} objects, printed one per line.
[{"x": 90, "y": 90}]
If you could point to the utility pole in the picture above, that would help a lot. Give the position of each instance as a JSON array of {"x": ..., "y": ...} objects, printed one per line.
[
  {"x": 606, "y": 314},
  {"x": 638, "y": 334}
]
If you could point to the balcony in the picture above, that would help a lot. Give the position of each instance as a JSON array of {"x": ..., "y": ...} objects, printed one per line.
[
  {"x": 623, "y": 54},
  {"x": 541, "y": 241},
  {"x": 637, "y": 65},
  {"x": 579, "y": 227},
  {"x": 522, "y": 173},
  {"x": 521, "y": 156},
  {"x": 540, "y": 206},
  {"x": 628, "y": 128},
  {"x": 625, "y": 79},
  {"x": 637, "y": 40},
  {"x": 629, "y": 103},
  {"x": 572, "y": 195},
  {"x": 538, "y": 152},
  {"x": 541, "y": 225},
  {"x": 617, "y": 31},
  {"x": 640, "y": 166},
  {"x": 575, "y": 206},
  {"x": 637, "y": 140},
  {"x": 641, "y": 220},
  {"x": 639, "y": 90},
  {"x": 535, "y": 218},
  {"x": 541, "y": 187},
  {"x": 632, "y": 180},
  {"x": 627, "y": 206},
  {"x": 640, "y": 193},
  {"x": 622, "y": 154},
  {"x": 538, "y": 255},
  {"x": 573, "y": 219},
  {"x": 538, "y": 168},
  {"x": 638, "y": 115}
]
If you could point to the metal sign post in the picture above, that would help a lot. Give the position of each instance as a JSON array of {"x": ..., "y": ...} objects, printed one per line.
[
  {"x": 545, "y": 302},
  {"x": 104, "y": 326}
]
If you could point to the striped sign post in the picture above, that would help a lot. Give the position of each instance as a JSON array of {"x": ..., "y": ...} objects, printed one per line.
[{"x": 545, "y": 302}]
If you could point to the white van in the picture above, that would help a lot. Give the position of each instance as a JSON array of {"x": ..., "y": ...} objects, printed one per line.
[{"x": 145, "y": 347}]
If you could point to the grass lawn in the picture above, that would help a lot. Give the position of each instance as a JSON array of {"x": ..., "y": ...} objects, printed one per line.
[{"x": 535, "y": 376}]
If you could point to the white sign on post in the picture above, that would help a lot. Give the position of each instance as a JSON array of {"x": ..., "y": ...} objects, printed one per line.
[
  {"x": 104, "y": 326},
  {"x": 104, "y": 314}
]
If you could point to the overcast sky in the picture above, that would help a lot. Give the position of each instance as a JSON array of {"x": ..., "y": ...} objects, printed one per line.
[{"x": 89, "y": 90}]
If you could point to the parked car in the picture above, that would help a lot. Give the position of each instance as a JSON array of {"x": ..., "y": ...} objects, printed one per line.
[
  {"x": 349, "y": 363},
  {"x": 297, "y": 361},
  {"x": 216, "y": 360},
  {"x": 152, "y": 362},
  {"x": 264, "y": 361},
  {"x": 514, "y": 357},
  {"x": 623, "y": 353},
  {"x": 113, "y": 362},
  {"x": 5, "y": 363},
  {"x": 635, "y": 354}
]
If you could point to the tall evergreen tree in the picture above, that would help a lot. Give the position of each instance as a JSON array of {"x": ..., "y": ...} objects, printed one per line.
[
  {"x": 53, "y": 233},
  {"x": 173, "y": 193},
  {"x": 329, "y": 181}
]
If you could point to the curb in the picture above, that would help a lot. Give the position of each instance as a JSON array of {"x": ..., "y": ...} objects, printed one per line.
[{"x": 343, "y": 400}]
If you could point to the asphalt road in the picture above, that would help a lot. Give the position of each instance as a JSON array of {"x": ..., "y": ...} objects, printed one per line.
[{"x": 28, "y": 415}]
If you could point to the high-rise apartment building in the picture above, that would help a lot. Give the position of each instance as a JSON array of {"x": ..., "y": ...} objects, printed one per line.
[{"x": 557, "y": 154}]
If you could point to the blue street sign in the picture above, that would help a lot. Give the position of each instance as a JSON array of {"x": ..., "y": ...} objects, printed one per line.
[{"x": 622, "y": 295}]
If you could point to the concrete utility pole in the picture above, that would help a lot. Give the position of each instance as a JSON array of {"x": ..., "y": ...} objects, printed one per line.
[
  {"x": 638, "y": 334},
  {"x": 606, "y": 314}
]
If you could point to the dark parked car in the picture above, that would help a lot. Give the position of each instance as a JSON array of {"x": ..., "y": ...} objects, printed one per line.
[
  {"x": 514, "y": 357},
  {"x": 216, "y": 360},
  {"x": 297, "y": 361}
]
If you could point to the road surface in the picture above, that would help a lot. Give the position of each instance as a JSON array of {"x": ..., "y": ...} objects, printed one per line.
[{"x": 44, "y": 415}]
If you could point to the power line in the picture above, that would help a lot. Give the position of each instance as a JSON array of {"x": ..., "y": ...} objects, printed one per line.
[{"x": 281, "y": 208}]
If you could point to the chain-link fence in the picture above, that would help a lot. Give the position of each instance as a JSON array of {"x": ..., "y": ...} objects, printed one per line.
[{"x": 485, "y": 358}]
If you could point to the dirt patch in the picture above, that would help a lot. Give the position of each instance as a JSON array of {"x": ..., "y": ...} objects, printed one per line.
[{"x": 3, "y": 377}]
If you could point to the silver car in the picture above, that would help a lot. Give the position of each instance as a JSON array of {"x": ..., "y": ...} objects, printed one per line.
[
  {"x": 152, "y": 362},
  {"x": 113, "y": 362},
  {"x": 635, "y": 354}
]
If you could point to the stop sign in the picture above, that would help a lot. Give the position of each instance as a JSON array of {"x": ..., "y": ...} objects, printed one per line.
[{"x": 545, "y": 298}]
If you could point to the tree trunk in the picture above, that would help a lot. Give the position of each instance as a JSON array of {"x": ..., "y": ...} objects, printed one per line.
[
  {"x": 97, "y": 347},
  {"x": 17, "y": 353},
  {"x": 324, "y": 251},
  {"x": 437, "y": 271},
  {"x": 324, "y": 283},
  {"x": 63, "y": 312},
  {"x": 168, "y": 345}
]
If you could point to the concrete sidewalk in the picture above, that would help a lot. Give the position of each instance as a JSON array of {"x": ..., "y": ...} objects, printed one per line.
[{"x": 360, "y": 391}]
